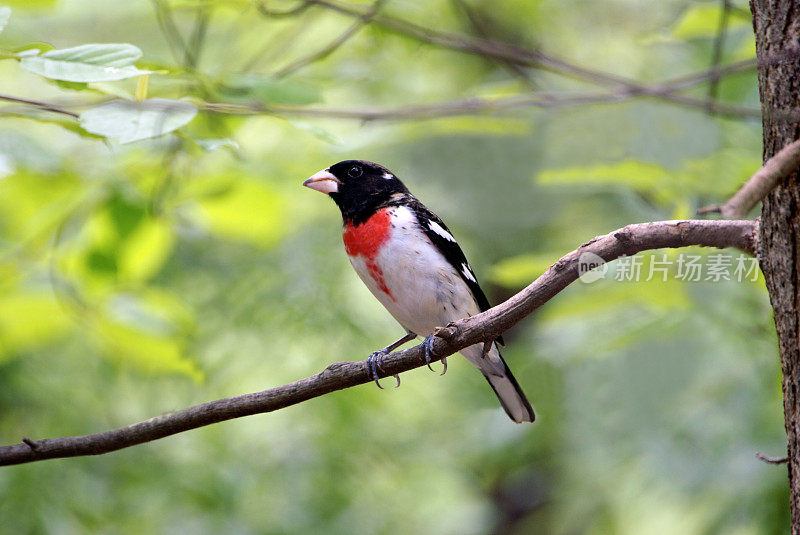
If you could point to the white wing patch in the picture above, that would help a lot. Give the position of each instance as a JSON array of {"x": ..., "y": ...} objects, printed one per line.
[
  {"x": 437, "y": 228},
  {"x": 388, "y": 176},
  {"x": 467, "y": 271}
]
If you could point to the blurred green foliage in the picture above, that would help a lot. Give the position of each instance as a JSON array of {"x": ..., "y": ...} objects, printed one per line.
[{"x": 188, "y": 264}]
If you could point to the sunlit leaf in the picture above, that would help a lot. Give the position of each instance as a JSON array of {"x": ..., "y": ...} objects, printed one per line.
[
  {"x": 5, "y": 14},
  {"x": 245, "y": 210},
  {"x": 145, "y": 250},
  {"x": 33, "y": 205},
  {"x": 655, "y": 294},
  {"x": 120, "y": 243},
  {"x": 632, "y": 173},
  {"x": 129, "y": 121},
  {"x": 130, "y": 341},
  {"x": 29, "y": 320},
  {"x": 721, "y": 172},
  {"x": 30, "y": 4},
  {"x": 87, "y": 63},
  {"x": 521, "y": 270},
  {"x": 32, "y": 49},
  {"x": 702, "y": 20}
]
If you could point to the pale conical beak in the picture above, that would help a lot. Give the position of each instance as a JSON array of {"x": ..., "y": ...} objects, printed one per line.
[{"x": 324, "y": 182}]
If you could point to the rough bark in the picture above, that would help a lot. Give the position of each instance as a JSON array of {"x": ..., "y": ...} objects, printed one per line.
[{"x": 777, "y": 29}]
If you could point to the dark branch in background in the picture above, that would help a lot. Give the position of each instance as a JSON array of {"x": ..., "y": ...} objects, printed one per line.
[
  {"x": 328, "y": 49},
  {"x": 191, "y": 56},
  {"x": 275, "y": 13},
  {"x": 488, "y": 325},
  {"x": 511, "y": 54},
  {"x": 41, "y": 105},
  {"x": 480, "y": 105},
  {"x": 516, "y": 56},
  {"x": 170, "y": 30},
  {"x": 620, "y": 88},
  {"x": 482, "y": 25},
  {"x": 719, "y": 46},
  {"x": 785, "y": 161},
  {"x": 475, "y": 106}
]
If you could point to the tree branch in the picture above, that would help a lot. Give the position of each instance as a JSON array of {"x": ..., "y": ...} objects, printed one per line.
[
  {"x": 762, "y": 182},
  {"x": 488, "y": 325},
  {"x": 471, "y": 106},
  {"x": 479, "y": 105},
  {"x": 513, "y": 55},
  {"x": 500, "y": 51},
  {"x": 328, "y": 49}
]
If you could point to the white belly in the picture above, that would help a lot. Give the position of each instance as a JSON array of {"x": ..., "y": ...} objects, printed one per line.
[{"x": 425, "y": 292}]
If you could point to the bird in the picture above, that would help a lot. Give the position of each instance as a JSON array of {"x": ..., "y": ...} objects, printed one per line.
[{"x": 410, "y": 261}]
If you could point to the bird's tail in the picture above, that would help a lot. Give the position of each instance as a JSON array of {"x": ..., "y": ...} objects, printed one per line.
[{"x": 502, "y": 381}]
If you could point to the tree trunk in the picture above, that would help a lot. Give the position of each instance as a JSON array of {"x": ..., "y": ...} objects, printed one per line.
[{"x": 777, "y": 29}]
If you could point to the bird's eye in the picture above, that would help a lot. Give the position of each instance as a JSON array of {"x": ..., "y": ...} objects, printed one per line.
[{"x": 355, "y": 172}]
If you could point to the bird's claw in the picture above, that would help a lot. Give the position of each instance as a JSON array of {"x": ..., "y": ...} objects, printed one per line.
[
  {"x": 427, "y": 346},
  {"x": 374, "y": 364}
]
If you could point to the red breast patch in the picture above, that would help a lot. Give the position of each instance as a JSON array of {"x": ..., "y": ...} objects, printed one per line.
[{"x": 366, "y": 240}]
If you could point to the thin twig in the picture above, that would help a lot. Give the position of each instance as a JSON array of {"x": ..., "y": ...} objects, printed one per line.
[
  {"x": 192, "y": 53},
  {"x": 170, "y": 30},
  {"x": 719, "y": 46},
  {"x": 481, "y": 25},
  {"x": 40, "y": 105},
  {"x": 275, "y": 13},
  {"x": 772, "y": 460},
  {"x": 786, "y": 161},
  {"x": 488, "y": 325},
  {"x": 328, "y": 49},
  {"x": 709, "y": 75}
]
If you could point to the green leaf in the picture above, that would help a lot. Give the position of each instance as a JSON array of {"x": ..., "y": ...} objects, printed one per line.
[
  {"x": 28, "y": 321},
  {"x": 5, "y": 14},
  {"x": 243, "y": 209},
  {"x": 130, "y": 340},
  {"x": 100, "y": 62},
  {"x": 702, "y": 21},
  {"x": 145, "y": 250},
  {"x": 521, "y": 270},
  {"x": 243, "y": 87},
  {"x": 30, "y": 4},
  {"x": 630, "y": 173},
  {"x": 32, "y": 49},
  {"x": 129, "y": 121}
]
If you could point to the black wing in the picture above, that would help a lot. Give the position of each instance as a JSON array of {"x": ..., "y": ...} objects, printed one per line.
[{"x": 441, "y": 237}]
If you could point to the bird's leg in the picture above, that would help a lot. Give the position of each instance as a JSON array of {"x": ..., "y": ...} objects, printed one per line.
[
  {"x": 374, "y": 361},
  {"x": 427, "y": 345}
]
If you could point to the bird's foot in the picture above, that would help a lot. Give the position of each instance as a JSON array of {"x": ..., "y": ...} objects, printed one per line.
[
  {"x": 427, "y": 345},
  {"x": 374, "y": 362}
]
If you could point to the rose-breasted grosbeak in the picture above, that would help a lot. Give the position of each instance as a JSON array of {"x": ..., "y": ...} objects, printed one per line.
[{"x": 410, "y": 261}]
